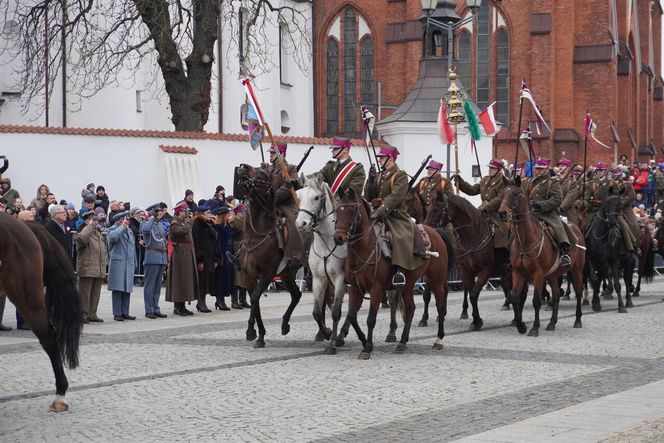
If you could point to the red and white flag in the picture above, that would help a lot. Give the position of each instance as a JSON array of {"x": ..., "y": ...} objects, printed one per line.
[
  {"x": 445, "y": 131},
  {"x": 488, "y": 120},
  {"x": 525, "y": 93},
  {"x": 246, "y": 83}
]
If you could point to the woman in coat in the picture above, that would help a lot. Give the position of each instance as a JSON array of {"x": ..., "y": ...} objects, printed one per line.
[
  {"x": 223, "y": 274},
  {"x": 122, "y": 263},
  {"x": 208, "y": 257},
  {"x": 182, "y": 279}
]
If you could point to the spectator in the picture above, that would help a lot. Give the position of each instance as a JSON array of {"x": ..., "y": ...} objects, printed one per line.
[
  {"x": 116, "y": 207},
  {"x": 208, "y": 256},
  {"x": 641, "y": 180},
  {"x": 122, "y": 255},
  {"x": 101, "y": 218},
  {"x": 623, "y": 160},
  {"x": 7, "y": 192},
  {"x": 3, "y": 204},
  {"x": 659, "y": 182},
  {"x": 651, "y": 187},
  {"x": 90, "y": 266},
  {"x": 182, "y": 281},
  {"x": 154, "y": 239},
  {"x": 102, "y": 199},
  {"x": 219, "y": 198},
  {"x": 223, "y": 274},
  {"x": 189, "y": 199},
  {"x": 18, "y": 205},
  {"x": 57, "y": 227},
  {"x": 43, "y": 214},
  {"x": 638, "y": 201},
  {"x": 89, "y": 190},
  {"x": 74, "y": 221},
  {"x": 26, "y": 216},
  {"x": 40, "y": 200},
  {"x": 168, "y": 218}
]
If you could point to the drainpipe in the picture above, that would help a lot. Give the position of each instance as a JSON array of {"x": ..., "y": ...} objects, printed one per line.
[
  {"x": 220, "y": 73},
  {"x": 315, "y": 65},
  {"x": 64, "y": 65}
]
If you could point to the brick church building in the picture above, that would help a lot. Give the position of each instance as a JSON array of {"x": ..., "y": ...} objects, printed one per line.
[{"x": 603, "y": 56}]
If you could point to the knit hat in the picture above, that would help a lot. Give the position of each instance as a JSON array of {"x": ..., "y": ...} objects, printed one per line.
[
  {"x": 101, "y": 188},
  {"x": 89, "y": 199},
  {"x": 70, "y": 207}
]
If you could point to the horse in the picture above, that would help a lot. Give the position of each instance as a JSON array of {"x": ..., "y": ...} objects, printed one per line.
[
  {"x": 605, "y": 258},
  {"x": 326, "y": 258},
  {"x": 31, "y": 259},
  {"x": 261, "y": 251},
  {"x": 474, "y": 250},
  {"x": 368, "y": 269},
  {"x": 534, "y": 255},
  {"x": 646, "y": 259}
]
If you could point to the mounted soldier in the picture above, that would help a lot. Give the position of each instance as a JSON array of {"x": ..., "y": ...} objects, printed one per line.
[
  {"x": 490, "y": 188},
  {"x": 629, "y": 225},
  {"x": 597, "y": 190},
  {"x": 342, "y": 173},
  {"x": 572, "y": 187},
  {"x": 386, "y": 191},
  {"x": 286, "y": 207},
  {"x": 430, "y": 186}
]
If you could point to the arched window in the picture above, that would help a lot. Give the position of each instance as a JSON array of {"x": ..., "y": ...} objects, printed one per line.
[
  {"x": 502, "y": 76},
  {"x": 350, "y": 56},
  {"x": 367, "y": 61},
  {"x": 463, "y": 63},
  {"x": 332, "y": 55},
  {"x": 483, "y": 61}
]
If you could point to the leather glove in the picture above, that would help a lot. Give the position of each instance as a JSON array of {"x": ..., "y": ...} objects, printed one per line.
[
  {"x": 537, "y": 206},
  {"x": 372, "y": 173},
  {"x": 552, "y": 173},
  {"x": 456, "y": 178},
  {"x": 292, "y": 183},
  {"x": 376, "y": 202}
]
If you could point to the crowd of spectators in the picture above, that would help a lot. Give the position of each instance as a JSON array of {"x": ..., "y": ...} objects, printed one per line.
[{"x": 111, "y": 242}]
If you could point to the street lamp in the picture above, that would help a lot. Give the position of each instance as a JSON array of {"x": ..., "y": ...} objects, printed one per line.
[{"x": 450, "y": 22}]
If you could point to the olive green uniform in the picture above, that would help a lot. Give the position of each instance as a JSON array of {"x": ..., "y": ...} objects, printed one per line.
[
  {"x": 546, "y": 190},
  {"x": 430, "y": 187},
  {"x": 572, "y": 193},
  {"x": 491, "y": 189},
  {"x": 286, "y": 207},
  {"x": 354, "y": 179},
  {"x": 629, "y": 225},
  {"x": 391, "y": 186},
  {"x": 597, "y": 190}
]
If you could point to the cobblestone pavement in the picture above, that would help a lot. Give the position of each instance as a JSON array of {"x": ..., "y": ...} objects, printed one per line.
[{"x": 197, "y": 378}]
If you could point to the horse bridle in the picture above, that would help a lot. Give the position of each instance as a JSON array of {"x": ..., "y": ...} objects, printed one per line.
[
  {"x": 520, "y": 217},
  {"x": 315, "y": 216},
  {"x": 478, "y": 247}
]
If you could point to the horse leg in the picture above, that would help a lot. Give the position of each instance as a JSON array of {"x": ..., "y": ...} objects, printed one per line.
[
  {"x": 468, "y": 281},
  {"x": 339, "y": 289},
  {"x": 506, "y": 284},
  {"x": 354, "y": 304},
  {"x": 319, "y": 289},
  {"x": 565, "y": 294},
  {"x": 478, "y": 284},
  {"x": 586, "y": 270},
  {"x": 616, "y": 286},
  {"x": 288, "y": 279},
  {"x": 576, "y": 277},
  {"x": 376, "y": 297},
  {"x": 408, "y": 310},
  {"x": 555, "y": 302},
  {"x": 426, "y": 298},
  {"x": 255, "y": 315},
  {"x": 392, "y": 297},
  {"x": 628, "y": 274},
  {"x": 440, "y": 293},
  {"x": 538, "y": 289},
  {"x": 518, "y": 287}
]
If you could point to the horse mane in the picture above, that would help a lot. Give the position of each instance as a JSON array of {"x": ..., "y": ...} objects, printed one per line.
[
  {"x": 467, "y": 208},
  {"x": 314, "y": 181}
]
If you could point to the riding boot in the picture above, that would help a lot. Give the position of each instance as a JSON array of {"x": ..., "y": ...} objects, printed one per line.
[
  {"x": 565, "y": 259},
  {"x": 234, "y": 302},
  {"x": 235, "y": 260},
  {"x": 242, "y": 296}
]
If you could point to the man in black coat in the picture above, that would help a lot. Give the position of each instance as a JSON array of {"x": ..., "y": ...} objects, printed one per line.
[
  {"x": 58, "y": 229},
  {"x": 208, "y": 254}
]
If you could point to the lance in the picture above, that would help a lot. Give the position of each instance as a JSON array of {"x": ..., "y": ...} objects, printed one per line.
[
  {"x": 518, "y": 132},
  {"x": 477, "y": 156},
  {"x": 585, "y": 155},
  {"x": 419, "y": 171},
  {"x": 366, "y": 120},
  {"x": 304, "y": 159}
]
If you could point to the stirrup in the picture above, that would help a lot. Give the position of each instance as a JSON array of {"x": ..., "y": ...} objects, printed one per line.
[
  {"x": 398, "y": 279},
  {"x": 565, "y": 260}
]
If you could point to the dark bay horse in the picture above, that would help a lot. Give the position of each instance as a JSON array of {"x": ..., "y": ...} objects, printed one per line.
[
  {"x": 31, "y": 259},
  {"x": 367, "y": 269},
  {"x": 534, "y": 256},
  {"x": 474, "y": 251},
  {"x": 260, "y": 252}
]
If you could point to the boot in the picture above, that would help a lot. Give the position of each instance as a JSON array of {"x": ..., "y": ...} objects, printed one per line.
[
  {"x": 234, "y": 303},
  {"x": 221, "y": 304},
  {"x": 242, "y": 296},
  {"x": 565, "y": 259}
]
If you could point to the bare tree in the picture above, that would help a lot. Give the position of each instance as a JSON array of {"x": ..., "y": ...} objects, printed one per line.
[{"x": 101, "y": 40}]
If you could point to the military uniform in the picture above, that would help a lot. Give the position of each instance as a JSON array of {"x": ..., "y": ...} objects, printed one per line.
[
  {"x": 572, "y": 189},
  {"x": 597, "y": 190},
  {"x": 354, "y": 179},
  {"x": 629, "y": 225},
  {"x": 286, "y": 207},
  {"x": 429, "y": 187},
  {"x": 491, "y": 190},
  {"x": 548, "y": 194},
  {"x": 391, "y": 186}
]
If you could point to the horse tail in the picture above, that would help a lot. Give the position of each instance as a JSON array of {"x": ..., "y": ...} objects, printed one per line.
[
  {"x": 63, "y": 301},
  {"x": 449, "y": 244},
  {"x": 649, "y": 270}
]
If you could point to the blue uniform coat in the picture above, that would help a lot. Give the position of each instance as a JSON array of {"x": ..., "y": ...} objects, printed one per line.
[
  {"x": 122, "y": 258},
  {"x": 154, "y": 237}
]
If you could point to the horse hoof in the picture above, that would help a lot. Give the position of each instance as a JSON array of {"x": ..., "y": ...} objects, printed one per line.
[
  {"x": 513, "y": 323},
  {"x": 260, "y": 343},
  {"x": 401, "y": 347},
  {"x": 597, "y": 308},
  {"x": 339, "y": 342},
  {"x": 622, "y": 310},
  {"x": 58, "y": 406},
  {"x": 521, "y": 327},
  {"x": 319, "y": 336},
  {"x": 464, "y": 316},
  {"x": 476, "y": 325},
  {"x": 505, "y": 308},
  {"x": 285, "y": 329},
  {"x": 577, "y": 324},
  {"x": 550, "y": 327},
  {"x": 330, "y": 350},
  {"x": 585, "y": 303},
  {"x": 390, "y": 338},
  {"x": 629, "y": 304},
  {"x": 251, "y": 335},
  {"x": 437, "y": 346},
  {"x": 533, "y": 333},
  {"x": 364, "y": 356},
  {"x": 566, "y": 298},
  {"x": 423, "y": 324},
  {"x": 636, "y": 294}
]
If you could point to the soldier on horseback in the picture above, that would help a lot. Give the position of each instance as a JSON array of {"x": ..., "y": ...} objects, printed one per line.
[
  {"x": 545, "y": 195},
  {"x": 386, "y": 191},
  {"x": 597, "y": 190},
  {"x": 429, "y": 186},
  {"x": 629, "y": 225},
  {"x": 572, "y": 186},
  {"x": 342, "y": 173},
  {"x": 286, "y": 207},
  {"x": 490, "y": 188}
]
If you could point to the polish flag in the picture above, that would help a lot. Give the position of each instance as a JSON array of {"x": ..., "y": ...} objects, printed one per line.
[
  {"x": 488, "y": 120},
  {"x": 445, "y": 131}
]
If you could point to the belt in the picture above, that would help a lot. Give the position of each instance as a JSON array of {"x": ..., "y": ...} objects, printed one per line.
[
  {"x": 150, "y": 248},
  {"x": 183, "y": 245}
]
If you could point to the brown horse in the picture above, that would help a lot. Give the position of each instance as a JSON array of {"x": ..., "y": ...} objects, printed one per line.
[
  {"x": 31, "y": 259},
  {"x": 367, "y": 269},
  {"x": 260, "y": 252},
  {"x": 534, "y": 256},
  {"x": 478, "y": 260}
]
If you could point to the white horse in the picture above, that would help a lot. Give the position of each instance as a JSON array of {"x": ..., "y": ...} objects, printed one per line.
[{"x": 326, "y": 260}]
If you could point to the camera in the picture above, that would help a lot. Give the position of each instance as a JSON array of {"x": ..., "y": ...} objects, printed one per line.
[{"x": 126, "y": 206}]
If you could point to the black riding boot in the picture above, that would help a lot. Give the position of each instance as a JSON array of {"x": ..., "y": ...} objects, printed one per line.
[
  {"x": 234, "y": 302},
  {"x": 242, "y": 296},
  {"x": 565, "y": 259}
]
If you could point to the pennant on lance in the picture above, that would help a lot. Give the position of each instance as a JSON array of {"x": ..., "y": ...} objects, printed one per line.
[
  {"x": 525, "y": 93},
  {"x": 445, "y": 131},
  {"x": 246, "y": 83},
  {"x": 488, "y": 120},
  {"x": 471, "y": 118},
  {"x": 591, "y": 128}
]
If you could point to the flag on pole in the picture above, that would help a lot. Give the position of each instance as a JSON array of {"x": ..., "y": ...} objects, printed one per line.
[
  {"x": 246, "y": 83},
  {"x": 526, "y": 140},
  {"x": 488, "y": 120},
  {"x": 471, "y": 118},
  {"x": 525, "y": 93},
  {"x": 445, "y": 131},
  {"x": 591, "y": 128},
  {"x": 369, "y": 121}
]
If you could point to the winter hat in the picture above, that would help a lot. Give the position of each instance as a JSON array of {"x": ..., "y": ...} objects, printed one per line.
[{"x": 101, "y": 188}]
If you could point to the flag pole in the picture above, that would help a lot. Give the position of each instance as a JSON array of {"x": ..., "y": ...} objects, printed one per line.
[
  {"x": 456, "y": 156},
  {"x": 518, "y": 132},
  {"x": 284, "y": 171},
  {"x": 477, "y": 156},
  {"x": 585, "y": 156}
]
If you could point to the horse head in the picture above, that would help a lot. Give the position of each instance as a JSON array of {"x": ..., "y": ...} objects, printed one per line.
[
  {"x": 350, "y": 214},
  {"x": 610, "y": 209},
  {"x": 256, "y": 181},
  {"x": 438, "y": 211},
  {"x": 314, "y": 197},
  {"x": 513, "y": 200}
]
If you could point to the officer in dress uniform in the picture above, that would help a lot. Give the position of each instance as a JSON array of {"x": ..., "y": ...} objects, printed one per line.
[
  {"x": 429, "y": 186},
  {"x": 597, "y": 190},
  {"x": 342, "y": 172},
  {"x": 545, "y": 196},
  {"x": 387, "y": 192},
  {"x": 491, "y": 188},
  {"x": 629, "y": 225},
  {"x": 286, "y": 207},
  {"x": 154, "y": 238}
]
